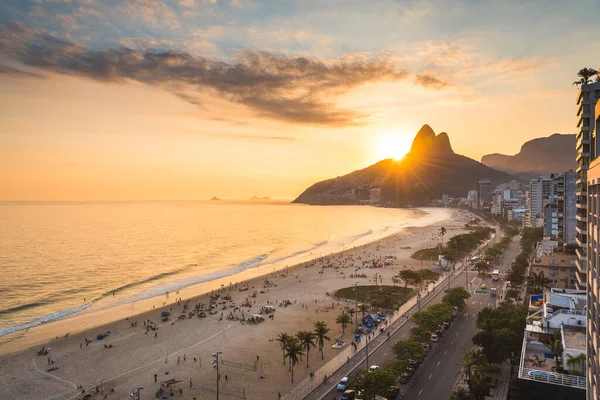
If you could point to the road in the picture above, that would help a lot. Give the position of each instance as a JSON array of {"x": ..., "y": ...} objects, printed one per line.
[{"x": 438, "y": 374}]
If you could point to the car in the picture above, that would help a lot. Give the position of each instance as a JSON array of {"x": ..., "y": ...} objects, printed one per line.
[
  {"x": 484, "y": 286},
  {"x": 435, "y": 338},
  {"x": 393, "y": 391},
  {"x": 343, "y": 385},
  {"x": 373, "y": 368},
  {"x": 537, "y": 375},
  {"x": 404, "y": 378},
  {"x": 359, "y": 396},
  {"x": 349, "y": 395}
]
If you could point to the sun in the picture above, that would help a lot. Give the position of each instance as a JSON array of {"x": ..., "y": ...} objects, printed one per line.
[{"x": 391, "y": 145}]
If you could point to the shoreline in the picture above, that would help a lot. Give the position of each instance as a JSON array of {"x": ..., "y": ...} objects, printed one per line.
[
  {"x": 140, "y": 355},
  {"x": 86, "y": 320}
]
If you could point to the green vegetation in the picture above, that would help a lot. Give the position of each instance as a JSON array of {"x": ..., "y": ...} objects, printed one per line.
[
  {"x": 408, "y": 353},
  {"x": 536, "y": 282},
  {"x": 376, "y": 295},
  {"x": 458, "y": 246},
  {"x": 428, "y": 275},
  {"x": 516, "y": 274},
  {"x": 500, "y": 332},
  {"x": 343, "y": 319}
]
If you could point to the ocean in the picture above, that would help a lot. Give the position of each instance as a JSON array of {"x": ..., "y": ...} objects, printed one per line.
[{"x": 58, "y": 259}]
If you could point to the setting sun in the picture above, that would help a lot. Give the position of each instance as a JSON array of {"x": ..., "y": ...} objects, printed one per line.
[{"x": 392, "y": 145}]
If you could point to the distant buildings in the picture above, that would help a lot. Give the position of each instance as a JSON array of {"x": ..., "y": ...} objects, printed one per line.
[
  {"x": 485, "y": 190},
  {"x": 563, "y": 196},
  {"x": 472, "y": 199},
  {"x": 588, "y": 212},
  {"x": 374, "y": 195},
  {"x": 537, "y": 196}
]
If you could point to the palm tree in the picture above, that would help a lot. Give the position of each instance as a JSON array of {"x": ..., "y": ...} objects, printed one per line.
[
  {"x": 461, "y": 393},
  {"x": 343, "y": 319},
  {"x": 472, "y": 361},
  {"x": 442, "y": 233},
  {"x": 578, "y": 361},
  {"x": 555, "y": 346},
  {"x": 351, "y": 312},
  {"x": 283, "y": 340},
  {"x": 538, "y": 281},
  {"x": 585, "y": 76},
  {"x": 321, "y": 331},
  {"x": 293, "y": 351},
  {"x": 363, "y": 308},
  {"x": 307, "y": 340}
]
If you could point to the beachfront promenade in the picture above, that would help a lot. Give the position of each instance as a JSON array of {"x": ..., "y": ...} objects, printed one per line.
[{"x": 351, "y": 358}]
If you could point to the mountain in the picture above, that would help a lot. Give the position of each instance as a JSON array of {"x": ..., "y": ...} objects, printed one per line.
[
  {"x": 215, "y": 198},
  {"x": 259, "y": 198},
  {"x": 430, "y": 170},
  {"x": 552, "y": 154}
]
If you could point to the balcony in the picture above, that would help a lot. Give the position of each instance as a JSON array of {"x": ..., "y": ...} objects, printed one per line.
[
  {"x": 581, "y": 253},
  {"x": 581, "y": 239},
  {"x": 581, "y": 282},
  {"x": 581, "y": 217}
]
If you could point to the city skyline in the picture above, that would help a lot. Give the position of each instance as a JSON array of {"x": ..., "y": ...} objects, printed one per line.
[{"x": 146, "y": 100}]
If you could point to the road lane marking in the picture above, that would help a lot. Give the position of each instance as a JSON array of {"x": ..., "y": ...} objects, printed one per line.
[
  {"x": 452, "y": 342},
  {"x": 456, "y": 335},
  {"x": 384, "y": 353},
  {"x": 430, "y": 376},
  {"x": 420, "y": 392},
  {"x": 481, "y": 303},
  {"x": 445, "y": 351},
  {"x": 439, "y": 362},
  {"x": 461, "y": 325}
]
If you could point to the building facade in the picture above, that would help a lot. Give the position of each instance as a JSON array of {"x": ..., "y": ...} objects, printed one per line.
[
  {"x": 485, "y": 191},
  {"x": 588, "y": 224},
  {"x": 537, "y": 196},
  {"x": 560, "y": 268}
]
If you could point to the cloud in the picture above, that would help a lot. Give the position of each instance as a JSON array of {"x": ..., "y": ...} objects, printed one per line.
[
  {"x": 153, "y": 12},
  {"x": 294, "y": 89},
  {"x": 11, "y": 71},
  {"x": 431, "y": 80}
]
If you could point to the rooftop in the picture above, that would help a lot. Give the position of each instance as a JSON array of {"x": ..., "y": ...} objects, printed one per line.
[{"x": 574, "y": 339}]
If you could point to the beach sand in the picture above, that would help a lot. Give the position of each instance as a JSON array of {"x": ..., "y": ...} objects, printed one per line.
[{"x": 182, "y": 349}]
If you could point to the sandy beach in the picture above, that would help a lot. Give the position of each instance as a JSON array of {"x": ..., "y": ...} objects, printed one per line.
[{"x": 132, "y": 356}]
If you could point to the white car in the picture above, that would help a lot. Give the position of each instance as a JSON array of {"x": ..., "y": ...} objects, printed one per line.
[
  {"x": 435, "y": 338},
  {"x": 373, "y": 368}
]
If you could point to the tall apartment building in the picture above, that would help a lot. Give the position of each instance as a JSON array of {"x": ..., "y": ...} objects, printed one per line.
[
  {"x": 485, "y": 191},
  {"x": 563, "y": 196},
  {"x": 588, "y": 228},
  {"x": 538, "y": 195}
]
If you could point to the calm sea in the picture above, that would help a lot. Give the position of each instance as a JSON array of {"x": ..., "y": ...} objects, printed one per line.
[{"x": 55, "y": 255}]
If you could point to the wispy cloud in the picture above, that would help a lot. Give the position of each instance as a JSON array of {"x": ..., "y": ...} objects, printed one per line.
[
  {"x": 12, "y": 71},
  {"x": 431, "y": 80},
  {"x": 295, "y": 89}
]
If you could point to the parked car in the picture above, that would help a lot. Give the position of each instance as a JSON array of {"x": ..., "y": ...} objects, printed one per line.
[
  {"x": 349, "y": 395},
  {"x": 343, "y": 385},
  {"x": 404, "y": 378},
  {"x": 373, "y": 368},
  {"x": 435, "y": 338},
  {"x": 484, "y": 286}
]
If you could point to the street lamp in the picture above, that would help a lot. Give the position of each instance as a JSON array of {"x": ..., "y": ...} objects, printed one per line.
[{"x": 215, "y": 364}]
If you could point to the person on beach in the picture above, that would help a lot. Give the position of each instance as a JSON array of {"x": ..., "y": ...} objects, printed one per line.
[{"x": 155, "y": 377}]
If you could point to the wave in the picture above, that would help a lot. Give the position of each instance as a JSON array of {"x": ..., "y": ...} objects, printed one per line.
[
  {"x": 354, "y": 238},
  {"x": 297, "y": 253},
  {"x": 22, "y": 307},
  {"x": 42, "y": 320}
]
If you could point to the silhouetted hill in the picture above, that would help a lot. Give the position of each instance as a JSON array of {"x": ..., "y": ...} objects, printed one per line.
[
  {"x": 552, "y": 154},
  {"x": 428, "y": 171}
]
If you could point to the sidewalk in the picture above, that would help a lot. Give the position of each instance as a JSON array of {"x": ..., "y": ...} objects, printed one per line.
[{"x": 397, "y": 320}]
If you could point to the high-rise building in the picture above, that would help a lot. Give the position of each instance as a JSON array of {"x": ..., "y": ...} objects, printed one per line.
[
  {"x": 550, "y": 221},
  {"x": 563, "y": 196},
  {"x": 472, "y": 198},
  {"x": 485, "y": 191},
  {"x": 588, "y": 231},
  {"x": 537, "y": 196}
]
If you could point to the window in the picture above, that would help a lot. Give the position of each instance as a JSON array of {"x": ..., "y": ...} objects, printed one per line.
[
  {"x": 553, "y": 261},
  {"x": 562, "y": 261}
]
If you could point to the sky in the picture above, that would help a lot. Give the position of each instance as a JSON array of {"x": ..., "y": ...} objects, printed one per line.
[{"x": 190, "y": 99}]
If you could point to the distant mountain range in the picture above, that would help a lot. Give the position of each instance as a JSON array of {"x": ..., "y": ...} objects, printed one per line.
[
  {"x": 259, "y": 198},
  {"x": 552, "y": 154},
  {"x": 430, "y": 170}
]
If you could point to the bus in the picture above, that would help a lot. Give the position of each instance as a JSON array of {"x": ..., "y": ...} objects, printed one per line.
[{"x": 495, "y": 274}]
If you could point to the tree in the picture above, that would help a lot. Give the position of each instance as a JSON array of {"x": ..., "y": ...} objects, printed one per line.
[
  {"x": 351, "y": 312},
  {"x": 363, "y": 308},
  {"x": 442, "y": 233},
  {"x": 487, "y": 319},
  {"x": 479, "y": 387},
  {"x": 555, "y": 346},
  {"x": 408, "y": 350},
  {"x": 482, "y": 267},
  {"x": 321, "y": 330},
  {"x": 293, "y": 352},
  {"x": 473, "y": 360},
  {"x": 538, "y": 282},
  {"x": 461, "y": 393},
  {"x": 578, "y": 361},
  {"x": 283, "y": 340},
  {"x": 456, "y": 297},
  {"x": 375, "y": 382},
  {"x": 307, "y": 340},
  {"x": 343, "y": 319},
  {"x": 409, "y": 277},
  {"x": 585, "y": 75}
]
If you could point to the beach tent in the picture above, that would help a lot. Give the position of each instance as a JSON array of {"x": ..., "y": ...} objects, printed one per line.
[{"x": 170, "y": 382}]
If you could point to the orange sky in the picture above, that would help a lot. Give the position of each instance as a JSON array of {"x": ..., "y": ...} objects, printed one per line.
[{"x": 65, "y": 136}]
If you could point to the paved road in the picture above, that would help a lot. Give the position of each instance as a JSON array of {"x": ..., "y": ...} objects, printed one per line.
[{"x": 441, "y": 371}]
